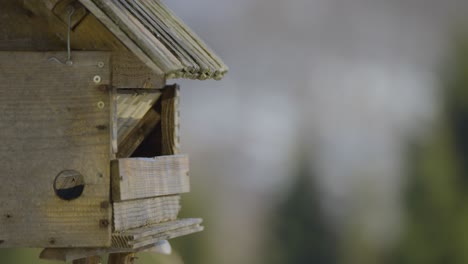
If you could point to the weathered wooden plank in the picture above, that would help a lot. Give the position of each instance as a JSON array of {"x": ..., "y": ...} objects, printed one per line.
[
  {"x": 148, "y": 42},
  {"x": 23, "y": 30},
  {"x": 129, "y": 72},
  {"x": 141, "y": 212},
  {"x": 170, "y": 120},
  {"x": 150, "y": 235},
  {"x": 183, "y": 231},
  {"x": 135, "y": 178},
  {"x": 54, "y": 118},
  {"x": 91, "y": 6}
]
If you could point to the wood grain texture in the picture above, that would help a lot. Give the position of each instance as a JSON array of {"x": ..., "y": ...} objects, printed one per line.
[
  {"x": 22, "y": 29},
  {"x": 150, "y": 235},
  {"x": 136, "y": 178},
  {"x": 150, "y": 28},
  {"x": 170, "y": 120},
  {"x": 51, "y": 122},
  {"x": 141, "y": 212},
  {"x": 104, "y": 18},
  {"x": 129, "y": 72}
]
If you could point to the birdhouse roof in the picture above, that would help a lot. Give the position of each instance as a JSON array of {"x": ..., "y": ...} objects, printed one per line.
[{"x": 159, "y": 38}]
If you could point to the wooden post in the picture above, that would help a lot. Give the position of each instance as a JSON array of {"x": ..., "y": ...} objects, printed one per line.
[
  {"x": 89, "y": 260},
  {"x": 122, "y": 258}
]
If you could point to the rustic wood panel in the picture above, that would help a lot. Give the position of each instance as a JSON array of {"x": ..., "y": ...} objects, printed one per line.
[
  {"x": 150, "y": 235},
  {"x": 23, "y": 30},
  {"x": 129, "y": 72},
  {"x": 135, "y": 178},
  {"x": 141, "y": 212},
  {"x": 170, "y": 120},
  {"x": 54, "y": 118}
]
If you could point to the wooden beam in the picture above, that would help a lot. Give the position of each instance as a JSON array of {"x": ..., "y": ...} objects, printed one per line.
[
  {"x": 141, "y": 212},
  {"x": 150, "y": 235},
  {"x": 135, "y": 178}
]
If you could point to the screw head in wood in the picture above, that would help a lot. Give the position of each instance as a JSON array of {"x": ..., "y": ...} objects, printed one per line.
[
  {"x": 103, "y": 223},
  {"x": 97, "y": 79},
  {"x": 101, "y": 104},
  {"x": 100, "y": 64}
]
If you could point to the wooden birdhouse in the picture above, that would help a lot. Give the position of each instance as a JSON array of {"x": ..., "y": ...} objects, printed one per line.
[{"x": 89, "y": 130}]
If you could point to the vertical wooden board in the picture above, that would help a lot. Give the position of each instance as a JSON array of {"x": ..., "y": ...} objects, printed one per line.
[
  {"x": 54, "y": 118},
  {"x": 170, "y": 120},
  {"x": 136, "y": 178}
]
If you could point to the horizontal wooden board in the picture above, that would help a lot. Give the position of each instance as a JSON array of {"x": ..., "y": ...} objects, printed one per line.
[
  {"x": 54, "y": 119},
  {"x": 135, "y": 178},
  {"x": 149, "y": 235},
  {"x": 141, "y": 212}
]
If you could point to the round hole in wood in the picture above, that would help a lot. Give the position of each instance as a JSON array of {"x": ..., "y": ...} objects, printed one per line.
[{"x": 69, "y": 185}]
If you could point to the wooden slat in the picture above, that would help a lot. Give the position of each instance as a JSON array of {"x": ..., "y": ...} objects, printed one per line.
[
  {"x": 149, "y": 235},
  {"x": 138, "y": 213},
  {"x": 158, "y": 35},
  {"x": 146, "y": 41},
  {"x": 170, "y": 120},
  {"x": 53, "y": 118},
  {"x": 135, "y": 178},
  {"x": 91, "y": 6}
]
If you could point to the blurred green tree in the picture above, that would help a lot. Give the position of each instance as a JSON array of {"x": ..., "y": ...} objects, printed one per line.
[
  {"x": 437, "y": 191},
  {"x": 300, "y": 231}
]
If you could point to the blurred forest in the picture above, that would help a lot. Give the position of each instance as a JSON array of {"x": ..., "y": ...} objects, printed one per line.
[{"x": 340, "y": 134}]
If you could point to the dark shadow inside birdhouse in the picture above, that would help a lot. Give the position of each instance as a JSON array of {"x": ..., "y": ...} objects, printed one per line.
[{"x": 147, "y": 122}]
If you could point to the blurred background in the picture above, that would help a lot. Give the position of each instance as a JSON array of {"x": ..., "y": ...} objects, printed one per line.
[{"x": 340, "y": 134}]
